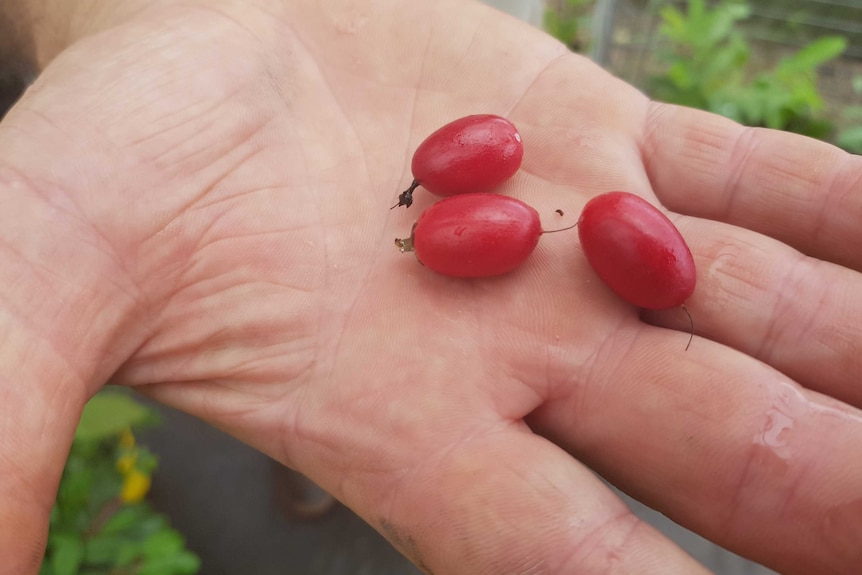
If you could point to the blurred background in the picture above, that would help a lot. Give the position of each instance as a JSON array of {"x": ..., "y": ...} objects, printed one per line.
[
  {"x": 793, "y": 65},
  {"x": 150, "y": 491}
]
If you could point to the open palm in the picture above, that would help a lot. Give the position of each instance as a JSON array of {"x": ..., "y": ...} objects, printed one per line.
[{"x": 223, "y": 176}]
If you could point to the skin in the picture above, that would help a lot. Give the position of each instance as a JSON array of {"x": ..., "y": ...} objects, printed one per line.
[{"x": 196, "y": 203}]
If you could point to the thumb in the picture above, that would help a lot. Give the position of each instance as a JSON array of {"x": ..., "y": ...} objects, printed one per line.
[
  {"x": 69, "y": 312},
  {"x": 40, "y": 406},
  {"x": 65, "y": 319}
]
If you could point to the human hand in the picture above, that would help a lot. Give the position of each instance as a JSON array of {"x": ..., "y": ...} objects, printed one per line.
[{"x": 198, "y": 207}]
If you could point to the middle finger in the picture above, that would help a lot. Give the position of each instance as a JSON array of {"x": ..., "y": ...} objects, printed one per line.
[
  {"x": 721, "y": 443},
  {"x": 801, "y": 315}
]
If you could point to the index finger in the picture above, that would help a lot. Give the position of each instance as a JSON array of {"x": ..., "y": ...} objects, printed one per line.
[{"x": 804, "y": 192}]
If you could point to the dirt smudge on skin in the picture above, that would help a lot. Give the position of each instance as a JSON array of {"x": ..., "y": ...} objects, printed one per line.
[{"x": 405, "y": 543}]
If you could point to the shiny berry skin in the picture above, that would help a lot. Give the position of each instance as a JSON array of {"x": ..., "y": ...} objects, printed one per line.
[
  {"x": 474, "y": 235},
  {"x": 473, "y": 154},
  {"x": 637, "y": 251}
]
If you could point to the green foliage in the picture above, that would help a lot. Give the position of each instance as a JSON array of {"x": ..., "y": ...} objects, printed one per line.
[
  {"x": 704, "y": 53},
  {"x": 705, "y": 58},
  {"x": 801, "y": 21},
  {"x": 850, "y": 137},
  {"x": 567, "y": 22},
  {"x": 99, "y": 524},
  {"x": 109, "y": 414}
]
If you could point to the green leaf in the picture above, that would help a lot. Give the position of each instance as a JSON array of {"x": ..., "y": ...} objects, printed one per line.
[
  {"x": 149, "y": 524},
  {"x": 851, "y": 139},
  {"x": 103, "y": 549},
  {"x": 674, "y": 24},
  {"x": 75, "y": 489},
  {"x": 107, "y": 414},
  {"x": 68, "y": 553},
  {"x": 126, "y": 518},
  {"x": 680, "y": 75},
  {"x": 820, "y": 128},
  {"x": 106, "y": 486},
  {"x": 163, "y": 543},
  {"x": 720, "y": 26},
  {"x": 738, "y": 11},
  {"x": 182, "y": 563},
  {"x": 696, "y": 9},
  {"x": 728, "y": 109},
  {"x": 147, "y": 460},
  {"x": 813, "y": 55},
  {"x": 552, "y": 24},
  {"x": 725, "y": 65},
  {"x": 186, "y": 563},
  {"x": 128, "y": 554},
  {"x": 744, "y": 105}
]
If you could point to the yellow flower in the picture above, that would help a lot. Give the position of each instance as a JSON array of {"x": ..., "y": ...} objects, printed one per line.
[
  {"x": 125, "y": 463},
  {"x": 127, "y": 439},
  {"x": 136, "y": 484}
]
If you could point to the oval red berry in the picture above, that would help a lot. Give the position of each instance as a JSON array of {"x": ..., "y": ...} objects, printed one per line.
[
  {"x": 637, "y": 251},
  {"x": 473, "y": 154},
  {"x": 474, "y": 235}
]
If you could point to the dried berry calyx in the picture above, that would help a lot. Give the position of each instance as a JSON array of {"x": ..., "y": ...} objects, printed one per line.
[
  {"x": 406, "y": 244},
  {"x": 406, "y": 197}
]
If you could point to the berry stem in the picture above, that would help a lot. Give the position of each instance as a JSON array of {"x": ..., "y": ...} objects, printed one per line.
[
  {"x": 691, "y": 321},
  {"x": 406, "y": 197},
  {"x": 561, "y": 229}
]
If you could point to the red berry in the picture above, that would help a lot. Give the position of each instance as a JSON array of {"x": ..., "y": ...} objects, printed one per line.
[
  {"x": 637, "y": 251},
  {"x": 474, "y": 235},
  {"x": 472, "y": 154}
]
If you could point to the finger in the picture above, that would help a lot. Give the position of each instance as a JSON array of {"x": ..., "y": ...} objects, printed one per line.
[
  {"x": 506, "y": 501},
  {"x": 493, "y": 499},
  {"x": 67, "y": 317},
  {"x": 41, "y": 403},
  {"x": 805, "y": 193},
  {"x": 801, "y": 315},
  {"x": 721, "y": 444},
  {"x": 35, "y": 433},
  {"x": 409, "y": 444}
]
